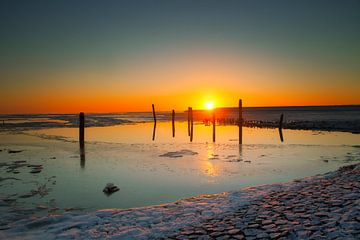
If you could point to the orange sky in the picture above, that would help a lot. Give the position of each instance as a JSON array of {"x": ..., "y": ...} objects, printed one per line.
[{"x": 176, "y": 81}]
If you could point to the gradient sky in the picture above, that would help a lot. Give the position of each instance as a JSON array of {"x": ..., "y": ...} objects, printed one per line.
[{"x": 111, "y": 56}]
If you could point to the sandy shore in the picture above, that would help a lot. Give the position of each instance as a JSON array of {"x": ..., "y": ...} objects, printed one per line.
[{"x": 325, "y": 206}]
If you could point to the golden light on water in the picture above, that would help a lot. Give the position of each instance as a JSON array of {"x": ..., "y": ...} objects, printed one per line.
[{"x": 208, "y": 167}]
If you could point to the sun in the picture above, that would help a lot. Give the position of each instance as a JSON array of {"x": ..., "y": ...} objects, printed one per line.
[{"x": 209, "y": 105}]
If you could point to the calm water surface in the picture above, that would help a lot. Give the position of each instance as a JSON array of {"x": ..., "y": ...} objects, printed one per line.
[{"x": 126, "y": 156}]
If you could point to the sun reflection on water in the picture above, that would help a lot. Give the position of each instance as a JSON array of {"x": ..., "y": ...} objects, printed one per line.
[{"x": 209, "y": 168}]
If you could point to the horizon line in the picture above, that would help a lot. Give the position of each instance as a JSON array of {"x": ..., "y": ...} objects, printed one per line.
[{"x": 68, "y": 113}]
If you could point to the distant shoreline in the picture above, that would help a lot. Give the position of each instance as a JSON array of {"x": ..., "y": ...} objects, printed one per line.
[
  {"x": 130, "y": 112},
  {"x": 342, "y": 118}
]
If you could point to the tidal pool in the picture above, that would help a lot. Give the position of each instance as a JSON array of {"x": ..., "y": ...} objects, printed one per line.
[{"x": 155, "y": 172}]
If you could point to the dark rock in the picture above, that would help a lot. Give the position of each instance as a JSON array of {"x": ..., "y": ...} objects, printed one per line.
[
  {"x": 110, "y": 188},
  {"x": 15, "y": 151}
]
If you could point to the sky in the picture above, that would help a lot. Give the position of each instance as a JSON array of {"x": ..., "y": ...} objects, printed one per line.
[{"x": 114, "y": 56}]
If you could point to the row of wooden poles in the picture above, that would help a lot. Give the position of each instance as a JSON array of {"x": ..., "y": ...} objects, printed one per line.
[{"x": 190, "y": 121}]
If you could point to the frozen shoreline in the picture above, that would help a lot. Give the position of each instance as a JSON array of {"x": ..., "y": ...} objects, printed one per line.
[{"x": 320, "y": 206}]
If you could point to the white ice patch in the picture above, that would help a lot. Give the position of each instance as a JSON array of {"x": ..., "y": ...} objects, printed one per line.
[{"x": 181, "y": 153}]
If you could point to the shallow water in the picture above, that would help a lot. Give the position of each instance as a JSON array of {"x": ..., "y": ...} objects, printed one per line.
[
  {"x": 154, "y": 172},
  {"x": 142, "y": 133}
]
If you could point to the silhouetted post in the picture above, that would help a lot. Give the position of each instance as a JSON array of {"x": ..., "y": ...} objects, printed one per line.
[
  {"x": 153, "y": 110},
  {"x": 82, "y": 130},
  {"x": 213, "y": 123},
  {"x": 189, "y": 121},
  {"x": 173, "y": 122},
  {"x": 240, "y": 121},
  {"x": 154, "y": 115},
  {"x": 191, "y": 125},
  {"x": 280, "y": 127}
]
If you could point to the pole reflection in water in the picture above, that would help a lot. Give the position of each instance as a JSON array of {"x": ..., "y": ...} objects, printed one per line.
[
  {"x": 82, "y": 157},
  {"x": 154, "y": 116},
  {"x": 240, "y": 152},
  {"x": 281, "y": 135},
  {"x": 154, "y": 130},
  {"x": 280, "y": 127}
]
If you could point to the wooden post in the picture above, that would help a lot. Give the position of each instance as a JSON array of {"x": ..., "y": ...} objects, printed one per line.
[
  {"x": 153, "y": 110},
  {"x": 82, "y": 130},
  {"x": 191, "y": 125},
  {"x": 240, "y": 121},
  {"x": 154, "y": 115},
  {"x": 280, "y": 127},
  {"x": 173, "y": 123},
  {"x": 189, "y": 121},
  {"x": 213, "y": 123}
]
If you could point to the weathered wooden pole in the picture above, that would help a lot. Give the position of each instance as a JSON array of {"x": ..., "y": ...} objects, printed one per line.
[
  {"x": 240, "y": 121},
  {"x": 191, "y": 125},
  {"x": 173, "y": 123},
  {"x": 82, "y": 130},
  {"x": 213, "y": 123},
  {"x": 189, "y": 121},
  {"x": 280, "y": 127},
  {"x": 154, "y": 115}
]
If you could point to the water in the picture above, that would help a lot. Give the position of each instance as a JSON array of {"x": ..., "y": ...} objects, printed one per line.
[
  {"x": 155, "y": 172},
  {"x": 126, "y": 156}
]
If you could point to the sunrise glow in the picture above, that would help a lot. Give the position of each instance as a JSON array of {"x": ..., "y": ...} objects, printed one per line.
[
  {"x": 209, "y": 105},
  {"x": 72, "y": 67},
  {"x": 143, "y": 113}
]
